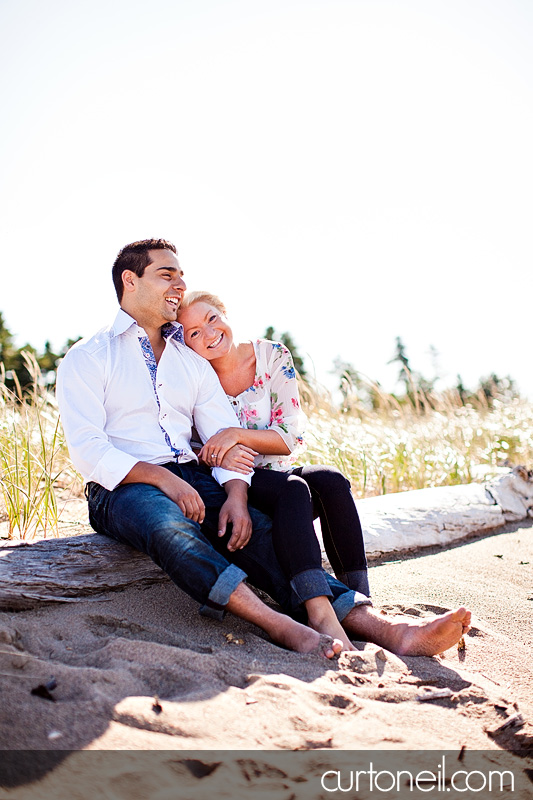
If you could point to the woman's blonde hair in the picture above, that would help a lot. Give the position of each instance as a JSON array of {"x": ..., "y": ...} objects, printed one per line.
[{"x": 190, "y": 298}]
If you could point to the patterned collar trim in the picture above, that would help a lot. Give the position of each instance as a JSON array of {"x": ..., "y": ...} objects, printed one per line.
[
  {"x": 173, "y": 330},
  {"x": 123, "y": 321}
]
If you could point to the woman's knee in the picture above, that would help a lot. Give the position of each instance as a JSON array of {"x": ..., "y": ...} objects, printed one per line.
[
  {"x": 297, "y": 488},
  {"x": 325, "y": 478}
]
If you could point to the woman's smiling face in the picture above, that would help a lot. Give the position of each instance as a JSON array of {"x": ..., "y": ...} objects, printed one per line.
[{"x": 206, "y": 330}]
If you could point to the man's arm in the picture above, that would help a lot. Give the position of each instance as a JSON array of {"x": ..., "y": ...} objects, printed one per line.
[
  {"x": 80, "y": 396},
  {"x": 174, "y": 487}
]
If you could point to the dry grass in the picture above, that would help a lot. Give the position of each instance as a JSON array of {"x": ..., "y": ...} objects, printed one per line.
[{"x": 430, "y": 441}]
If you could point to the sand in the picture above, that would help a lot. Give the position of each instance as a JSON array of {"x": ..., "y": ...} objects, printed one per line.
[{"x": 140, "y": 670}]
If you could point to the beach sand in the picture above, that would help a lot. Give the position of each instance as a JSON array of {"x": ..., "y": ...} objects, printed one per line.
[{"x": 140, "y": 670}]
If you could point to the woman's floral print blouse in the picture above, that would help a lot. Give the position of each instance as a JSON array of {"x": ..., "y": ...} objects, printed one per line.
[{"x": 272, "y": 402}]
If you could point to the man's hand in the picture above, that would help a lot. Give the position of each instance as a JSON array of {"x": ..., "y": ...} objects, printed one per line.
[
  {"x": 176, "y": 488},
  {"x": 239, "y": 458},
  {"x": 185, "y": 497},
  {"x": 235, "y": 510}
]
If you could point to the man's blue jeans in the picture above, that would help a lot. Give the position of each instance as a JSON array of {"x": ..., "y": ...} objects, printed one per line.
[{"x": 193, "y": 555}]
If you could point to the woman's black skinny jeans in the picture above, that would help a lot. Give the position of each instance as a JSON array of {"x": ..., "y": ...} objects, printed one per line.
[{"x": 293, "y": 499}]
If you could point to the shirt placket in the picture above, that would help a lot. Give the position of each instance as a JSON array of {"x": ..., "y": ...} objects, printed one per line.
[{"x": 151, "y": 363}]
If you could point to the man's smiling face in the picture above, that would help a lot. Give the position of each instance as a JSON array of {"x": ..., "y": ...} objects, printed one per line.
[{"x": 157, "y": 294}]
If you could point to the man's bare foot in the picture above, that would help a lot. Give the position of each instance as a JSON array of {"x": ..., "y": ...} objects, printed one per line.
[
  {"x": 420, "y": 637},
  {"x": 322, "y": 618},
  {"x": 305, "y": 640}
]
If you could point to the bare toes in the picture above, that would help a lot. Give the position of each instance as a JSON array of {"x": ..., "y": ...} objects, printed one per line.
[
  {"x": 327, "y": 646},
  {"x": 337, "y": 646}
]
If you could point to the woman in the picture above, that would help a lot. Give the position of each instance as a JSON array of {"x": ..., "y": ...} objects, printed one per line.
[{"x": 260, "y": 381}]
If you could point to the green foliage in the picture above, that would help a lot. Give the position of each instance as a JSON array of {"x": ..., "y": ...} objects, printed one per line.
[
  {"x": 18, "y": 375},
  {"x": 6, "y": 341}
]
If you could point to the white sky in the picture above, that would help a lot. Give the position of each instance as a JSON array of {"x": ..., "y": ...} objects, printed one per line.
[{"x": 347, "y": 171}]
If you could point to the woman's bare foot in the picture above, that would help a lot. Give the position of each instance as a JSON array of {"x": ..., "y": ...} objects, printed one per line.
[
  {"x": 282, "y": 629},
  {"x": 420, "y": 637},
  {"x": 322, "y": 618}
]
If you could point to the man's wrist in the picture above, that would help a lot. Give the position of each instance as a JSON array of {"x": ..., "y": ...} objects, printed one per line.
[
  {"x": 152, "y": 474},
  {"x": 237, "y": 489}
]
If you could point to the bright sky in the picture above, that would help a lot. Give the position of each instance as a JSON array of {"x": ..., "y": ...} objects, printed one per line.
[{"x": 347, "y": 171}]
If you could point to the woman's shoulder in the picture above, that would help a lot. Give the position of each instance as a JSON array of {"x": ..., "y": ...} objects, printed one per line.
[
  {"x": 274, "y": 360},
  {"x": 271, "y": 349}
]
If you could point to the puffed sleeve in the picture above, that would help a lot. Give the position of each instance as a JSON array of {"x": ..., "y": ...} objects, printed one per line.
[{"x": 286, "y": 416}]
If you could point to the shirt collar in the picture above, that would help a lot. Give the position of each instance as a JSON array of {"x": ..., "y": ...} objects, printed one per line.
[{"x": 123, "y": 322}]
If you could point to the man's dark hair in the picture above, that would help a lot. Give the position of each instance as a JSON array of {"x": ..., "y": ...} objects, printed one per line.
[{"x": 136, "y": 257}]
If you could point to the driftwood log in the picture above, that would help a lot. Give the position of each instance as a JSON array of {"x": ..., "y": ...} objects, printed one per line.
[
  {"x": 87, "y": 566},
  {"x": 70, "y": 569}
]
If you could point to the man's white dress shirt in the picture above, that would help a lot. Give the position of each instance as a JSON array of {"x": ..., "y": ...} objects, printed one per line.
[{"x": 112, "y": 416}]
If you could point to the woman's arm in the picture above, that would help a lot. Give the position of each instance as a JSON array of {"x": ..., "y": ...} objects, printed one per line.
[
  {"x": 280, "y": 434},
  {"x": 266, "y": 442}
]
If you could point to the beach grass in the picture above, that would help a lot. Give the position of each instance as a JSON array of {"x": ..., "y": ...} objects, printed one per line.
[
  {"x": 34, "y": 460},
  {"x": 398, "y": 444},
  {"x": 425, "y": 441}
]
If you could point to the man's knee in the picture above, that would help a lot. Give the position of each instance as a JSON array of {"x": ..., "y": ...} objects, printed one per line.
[{"x": 138, "y": 513}]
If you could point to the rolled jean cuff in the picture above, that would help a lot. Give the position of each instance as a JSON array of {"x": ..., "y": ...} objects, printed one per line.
[
  {"x": 347, "y": 601},
  {"x": 357, "y": 580},
  {"x": 310, "y": 583},
  {"x": 225, "y": 585}
]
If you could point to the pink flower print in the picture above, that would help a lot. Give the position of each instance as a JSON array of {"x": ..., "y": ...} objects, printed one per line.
[
  {"x": 277, "y": 415},
  {"x": 258, "y": 382},
  {"x": 295, "y": 402},
  {"x": 249, "y": 413}
]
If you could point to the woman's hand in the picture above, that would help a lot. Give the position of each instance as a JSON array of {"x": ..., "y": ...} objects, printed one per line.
[
  {"x": 239, "y": 458},
  {"x": 216, "y": 447}
]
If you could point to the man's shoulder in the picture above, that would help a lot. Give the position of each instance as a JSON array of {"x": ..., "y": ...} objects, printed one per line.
[
  {"x": 99, "y": 342},
  {"x": 91, "y": 345}
]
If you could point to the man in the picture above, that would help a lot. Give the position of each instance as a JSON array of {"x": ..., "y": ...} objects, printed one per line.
[{"x": 128, "y": 397}]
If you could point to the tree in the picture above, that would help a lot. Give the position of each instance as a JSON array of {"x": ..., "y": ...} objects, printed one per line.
[
  {"x": 415, "y": 383},
  {"x": 461, "y": 390},
  {"x": 6, "y": 343},
  {"x": 17, "y": 374},
  {"x": 400, "y": 356},
  {"x": 288, "y": 341},
  {"x": 493, "y": 387},
  {"x": 352, "y": 385}
]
